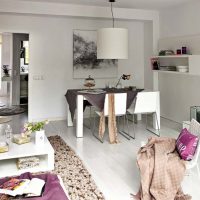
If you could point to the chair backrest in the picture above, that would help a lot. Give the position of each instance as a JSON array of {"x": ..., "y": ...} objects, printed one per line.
[
  {"x": 146, "y": 102},
  {"x": 120, "y": 104},
  {"x": 195, "y": 129}
]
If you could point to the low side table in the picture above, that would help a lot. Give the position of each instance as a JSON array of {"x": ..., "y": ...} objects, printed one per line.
[
  {"x": 8, "y": 160},
  {"x": 5, "y": 112}
]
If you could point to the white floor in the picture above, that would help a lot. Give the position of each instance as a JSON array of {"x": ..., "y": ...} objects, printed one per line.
[{"x": 113, "y": 167}]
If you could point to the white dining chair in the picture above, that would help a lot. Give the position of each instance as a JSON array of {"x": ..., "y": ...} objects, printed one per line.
[
  {"x": 120, "y": 100},
  {"x": 146, "y": 103}
]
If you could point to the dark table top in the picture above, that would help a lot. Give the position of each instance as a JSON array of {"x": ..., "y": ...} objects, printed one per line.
[{"x": 97, "y": 100}]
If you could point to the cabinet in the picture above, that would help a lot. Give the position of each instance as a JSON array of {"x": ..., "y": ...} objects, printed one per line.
[{"x": 192, "y": 61}]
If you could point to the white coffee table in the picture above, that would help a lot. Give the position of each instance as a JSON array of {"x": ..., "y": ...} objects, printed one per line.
[{"x": 8, "y": 160}]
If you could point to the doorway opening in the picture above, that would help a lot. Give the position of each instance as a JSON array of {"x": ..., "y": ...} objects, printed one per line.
[
  {"x": 14, "y": 73},
  {"x": 15, "y": 69}
]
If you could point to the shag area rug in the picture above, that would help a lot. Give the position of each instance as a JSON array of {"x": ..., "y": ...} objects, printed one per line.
[{"x": 77, "y": 180}]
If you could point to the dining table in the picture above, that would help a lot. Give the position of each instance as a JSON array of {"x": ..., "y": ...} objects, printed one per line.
[{"x": 76, "y": 103}]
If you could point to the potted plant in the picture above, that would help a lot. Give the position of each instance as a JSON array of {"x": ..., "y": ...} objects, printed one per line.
[
  {"x": 37, "y": 128},
  {"x": 6, "y": 70}
]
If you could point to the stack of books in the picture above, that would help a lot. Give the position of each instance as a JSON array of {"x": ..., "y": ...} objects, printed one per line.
[
  {"x": 26, "y": 187},
  {"x": 28, "y": 162}
]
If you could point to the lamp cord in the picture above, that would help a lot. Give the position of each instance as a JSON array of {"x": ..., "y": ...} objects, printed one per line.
[
  {"x": 119, "y": 81},
  {"x": 113, "y": 19}
]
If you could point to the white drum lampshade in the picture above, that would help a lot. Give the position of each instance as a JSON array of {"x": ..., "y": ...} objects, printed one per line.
[{"x": 112, "y": 43}]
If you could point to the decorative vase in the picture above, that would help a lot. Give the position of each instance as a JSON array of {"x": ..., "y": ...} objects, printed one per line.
[
  {"x": 3, "y": 147},
  {"x": 39, "y": 137}
]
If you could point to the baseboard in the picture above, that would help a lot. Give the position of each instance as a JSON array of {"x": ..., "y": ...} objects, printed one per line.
[{"x": 50, "y": 119}]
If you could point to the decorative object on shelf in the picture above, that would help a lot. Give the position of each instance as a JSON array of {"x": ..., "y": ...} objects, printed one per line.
[
  {"x": 89, "y": 82},
  {"x": 28, "y": 129},
  {"x": 22, "y": 68},
  {"x": 184, "y": 50},
  {"x": 166, "y": 52},
  {"x": 178, "y": 52},
  {"x": 183, "y": 69},
  {"x": 20, "y": 139},
  {"x": 112, "y": 43},
  {"x": 195, "y": 113},
  {"x": 85, "y": 57},
  {"x": 4, "y": 147},
  {"x": 167, "y": 68},
  {"x": 8, "y": 132},
  {"x": 124, "y": 77},
  {"x": 6, "y": 70},
  {"x": 28, "y": 162},
  {"x": 155, "y": 63}
]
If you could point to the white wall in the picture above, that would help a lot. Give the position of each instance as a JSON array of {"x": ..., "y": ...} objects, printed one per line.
[
  {"x": 51, "y": 56},
  {"x": 6, "y": 59},
  {"x": 180, "y": 20},
  {"x": 179, "y": 92},
  {"x": 148, "y": 52}
]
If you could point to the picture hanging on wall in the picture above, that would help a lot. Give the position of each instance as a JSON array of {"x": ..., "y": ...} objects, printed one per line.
[{"x": 85, "y": 60}]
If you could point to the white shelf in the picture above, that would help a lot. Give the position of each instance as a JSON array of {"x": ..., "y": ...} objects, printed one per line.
[
  {"x": 174, "y": 56},
  {"x": 9, "y": 167},
  {"x": 192, "y": 61},
  {"x": 172, "y": 72},
  {"x": 8, "y": 160},
  {"x": 23, "y": 73}
]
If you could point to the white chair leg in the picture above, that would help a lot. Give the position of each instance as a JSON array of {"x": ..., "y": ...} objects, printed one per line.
[
  {"x": 150, "y": 129},
  {"x": 123, "y": 133},
  {"x": 133, "y": 137},
  {"x": 90, "y": 117}
]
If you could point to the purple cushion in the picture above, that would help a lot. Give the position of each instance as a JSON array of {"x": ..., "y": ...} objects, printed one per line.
[{"x": 186, "y": 144}]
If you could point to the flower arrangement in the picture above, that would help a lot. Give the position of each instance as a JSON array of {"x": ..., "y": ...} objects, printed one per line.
[{"x": 32, "y": 127}]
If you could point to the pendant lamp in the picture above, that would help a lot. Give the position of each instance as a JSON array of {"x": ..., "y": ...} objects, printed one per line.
[{"x": 112, "y": 43}]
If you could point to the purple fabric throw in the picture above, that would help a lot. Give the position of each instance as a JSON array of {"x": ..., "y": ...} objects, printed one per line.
[{"x": 52, "y": 189}]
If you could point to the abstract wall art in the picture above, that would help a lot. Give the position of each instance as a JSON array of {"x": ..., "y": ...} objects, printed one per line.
[{"x": 85, "y": 60}]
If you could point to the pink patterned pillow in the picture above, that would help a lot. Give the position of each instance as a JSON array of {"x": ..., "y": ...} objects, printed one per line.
[{"x": 186, "y": 144}]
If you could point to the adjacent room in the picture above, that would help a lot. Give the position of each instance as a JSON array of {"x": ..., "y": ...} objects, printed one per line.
[{"x": 99, "y": 99}]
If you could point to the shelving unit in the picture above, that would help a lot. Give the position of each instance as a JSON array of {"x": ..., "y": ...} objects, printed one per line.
[
  {"x": 173, "y": 56},
  {"x": 192, "y": 61},
  {"x": 8, "y": 160}
]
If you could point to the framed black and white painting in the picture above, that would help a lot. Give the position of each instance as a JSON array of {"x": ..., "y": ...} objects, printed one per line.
[{"x": 85, "y": 60}]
